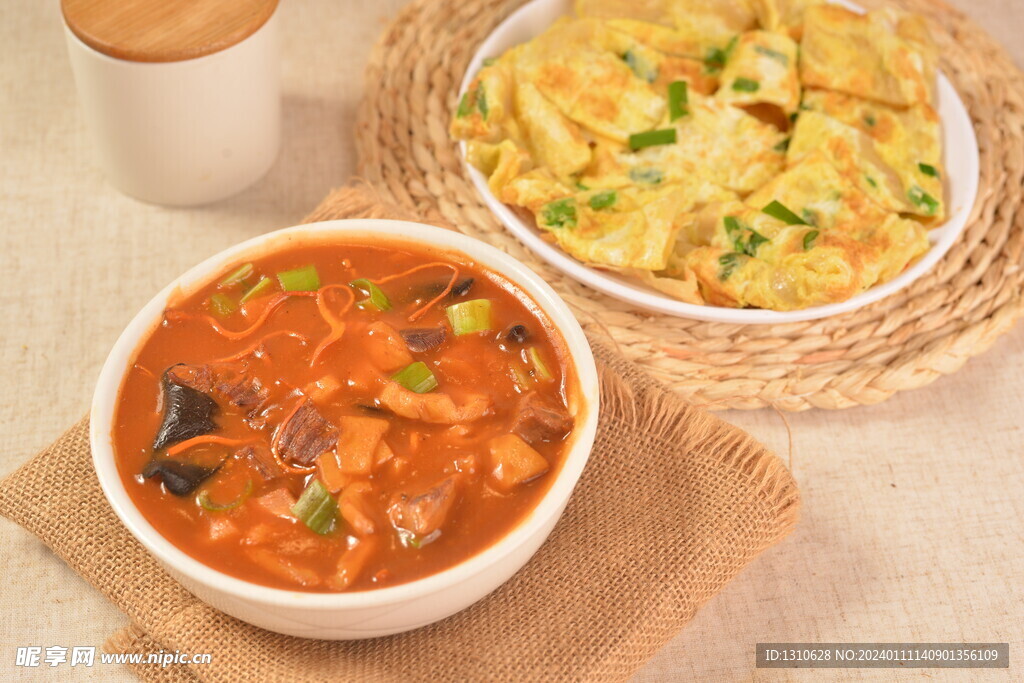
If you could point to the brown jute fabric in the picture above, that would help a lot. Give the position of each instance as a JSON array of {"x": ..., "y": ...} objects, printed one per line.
[
  {"x": 903, "y": 342},
  {"x": 673, "y": 504}
]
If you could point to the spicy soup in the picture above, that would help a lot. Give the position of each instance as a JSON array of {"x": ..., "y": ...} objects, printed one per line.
[{"x": 338, "y": 417}]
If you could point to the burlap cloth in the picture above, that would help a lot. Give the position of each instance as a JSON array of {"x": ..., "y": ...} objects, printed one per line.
[{"x": 673, "y": 504}]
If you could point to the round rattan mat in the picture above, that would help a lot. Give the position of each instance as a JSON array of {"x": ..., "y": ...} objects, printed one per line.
[{"x": 902, "y": 342}]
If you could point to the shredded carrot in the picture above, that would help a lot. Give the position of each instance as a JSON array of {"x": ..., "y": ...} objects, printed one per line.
[
  {"x": 205, "y": 439},
  {"x": 146, "y": 371},
  {"x": 241, "y": 334},
  {"x": 259, "y": 344},
  {"x": 416, "y": 314},
  {"x": 277, "y": 437},
  {"x": 336, "y": 323}
]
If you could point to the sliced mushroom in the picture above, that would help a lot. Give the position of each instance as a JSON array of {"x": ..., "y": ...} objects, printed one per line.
[
  {"x": 180, "y": 478},
  {"x": 187, "y": 413},
  {"x": 420, "y": 339}
]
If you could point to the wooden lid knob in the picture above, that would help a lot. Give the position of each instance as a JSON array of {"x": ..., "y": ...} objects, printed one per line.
[{"x": 164, "y": 30}]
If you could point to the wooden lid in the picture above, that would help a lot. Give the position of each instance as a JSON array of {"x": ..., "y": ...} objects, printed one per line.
[{"x": 164, "y": 30}]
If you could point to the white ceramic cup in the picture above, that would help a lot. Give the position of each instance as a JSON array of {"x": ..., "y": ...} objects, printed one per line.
[
  {"x": 370, "y": 613},
  {"x": 185, "y": 132}
]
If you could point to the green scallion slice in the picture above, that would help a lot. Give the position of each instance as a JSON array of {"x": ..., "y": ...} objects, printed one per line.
[
  {"x": 928, "y": 169},
  {"x": 652, "y": 138},
  {"x": 716, "y": 57},
  {"x": 204, "y": 499},
  {"x": 481, "y": 101},
  {"x": 774, "y": 54},
  {"x": 304, "y": 279},
  {"x": 602, "y": 200},
  {"x": 870, "y": 119},
  {"x": 258, "y": 289},
  {"x": 782, "y": 146},
  {"x": 755, "y": 240},
  {"x": 374, "y": 296},
  {"x": 237, "y": 275},
  {"x": 316, "y": 508},
  {"x": 728, "y": 263},
  {"x": 924, "y": 200},
  {"x": 538, "y": 363},
  {"x": 732, "y": 224},
  {"x": 471, "y": 316},
  {"x": 641, "y": 68},
  {"x": 745, "y": 85},
  {"x": 678, "y": 98},
  {"x": 560, "y": 213},
  {"x": 648, "y": 175},
  {"x": 465, "y": 106},
  {"x": 777, "y": 210},
  {"x": 489, "y": 61},
  {"x": 809, "y": 238},
  {"x": 222, "y": 305},
  {"x": 416, "y": 377}
]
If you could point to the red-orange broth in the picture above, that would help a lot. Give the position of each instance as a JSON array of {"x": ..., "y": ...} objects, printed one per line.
[{"x": 334, "y": 473}]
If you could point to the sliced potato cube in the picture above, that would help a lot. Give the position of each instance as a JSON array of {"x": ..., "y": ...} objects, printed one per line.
[
  {"x": 513, "y": 461},
  {"x": 358, "y": 441}
]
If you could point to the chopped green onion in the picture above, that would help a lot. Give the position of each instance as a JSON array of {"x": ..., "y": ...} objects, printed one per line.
[
  {"x": 464, "y": 106},
  {"x": 642, "y": 68},
  {"x": 471, "y": 316},
  {"x": 221, "y": 304},
  {"x": 316, "y": 508},
  {"x": 871, "y": 181},
  {"x": 204, "y": 499},
  {"x": 774, "y": 54},
  {"x": 538, "y": 363},
  {"x": 745, "y": 85},
  {"x": 755, "y": 240},
  {"x": 809, "y": 239},
  {"x": 237, "y": 275},
  {"x": 560, "y": 213},
  {"x": 416, "y": 377},
  {"x": 581, "y": 187},
  {"x": 777, "y": 210},
  {"x": 809, "y": 217},
  {"x": 489, "y": 61},
  {"x": 924, "y": 200},
  {"x": 651, "y": 138},
  {"x": 374, "y": 296},
  {"x": 732, "y": 224},
  {"x": 481, "y": 101},
  {"x": 257, "y": 289},
  {"x": 304, "y": 279},
  {"x": 648, "y": 175},
  {"x": 678, "y": 98},
  {"x": 602, "y": 200},
  {"x": 870, "y": 119},
  {"x": 716, "y": 57},
  {"x": 928, "y": 169},
  {"x": 728, "y": 263},
  {"x": 782, "y": 146}
]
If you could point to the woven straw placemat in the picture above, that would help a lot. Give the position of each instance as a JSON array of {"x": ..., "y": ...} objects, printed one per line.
[
  {"x": 903, "y": 342},
  {"x": 672, "y": 504}
]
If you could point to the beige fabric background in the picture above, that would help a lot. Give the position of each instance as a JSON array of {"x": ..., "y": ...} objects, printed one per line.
[{"x": 912, "y": 525}]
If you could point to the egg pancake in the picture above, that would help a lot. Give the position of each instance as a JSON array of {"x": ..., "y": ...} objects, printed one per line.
[
  {"x": 699, "y": 148},
  {"x": 878, "y": 56}
]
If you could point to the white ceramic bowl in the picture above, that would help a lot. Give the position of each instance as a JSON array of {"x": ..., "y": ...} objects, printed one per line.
[
  {"x": 365, "y": 614},
  {"x": 961, "y": 165}
]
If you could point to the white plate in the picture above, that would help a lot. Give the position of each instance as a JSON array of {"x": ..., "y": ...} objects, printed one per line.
[{"x": 960, "y": 149}]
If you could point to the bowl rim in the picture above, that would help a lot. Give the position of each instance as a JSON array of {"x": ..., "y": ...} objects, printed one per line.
[
  {"x": 550, "y": 506},
  {"x": 635, "y": 293}
]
